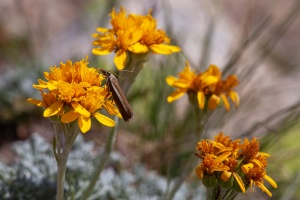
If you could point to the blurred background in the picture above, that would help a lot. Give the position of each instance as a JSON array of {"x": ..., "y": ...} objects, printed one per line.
[{"x": 256, "y": 40}]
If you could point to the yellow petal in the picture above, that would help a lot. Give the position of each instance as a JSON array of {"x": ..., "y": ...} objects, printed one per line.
[
  {"x": 208, "y": 80},
  {"x": 102, "y": 30},
  {"x": 36, "y": 102},
  {"x": 214, "y": 71},
  {"x": 213, "y": 102},
  {"x": 257, "y": 162},
  {"x": 240, "y": 182},
  {"x": 162, "y": 49},
  {"x": 51, "y": 85},
  {"x": 222, "y": 157},
  {"x": 175, "y": 95},
  {"x": 201, "y": 99},
  {"x": 263, "y": 188},
  {"x": 265, "y": 155},
  {"x": 61, "y": 112},
  {"x": 104, "y": 120},
  {"x": 225, "y": 176},
  {"x": 225, "y": 101},
  {"x": 135, "y": 35},
  {"x": 70, "y": 116},
  {"x": 271, "y": 181},
  {"x": 199, "y": 171},
  {"x": 245, "y": 168},
  {"x": 84, "y": 123},
  {"x": 120, "y": 59},
  {"x": 235, "y": 98},
  {"x": 231, "y": 81},
  {"x": 101, "y": 51},
  {"x": 111, "y": 108},
  {"x": 80, "y": 109},
  {"x": 54, "y": 109},
  {"x": 138, "y": 48},
  {"x": 184, "y": 84},
  {"x": 171, "y": 79}
]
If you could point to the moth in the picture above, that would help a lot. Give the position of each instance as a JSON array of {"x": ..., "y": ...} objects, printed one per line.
[{"x": 118, "y": 96}]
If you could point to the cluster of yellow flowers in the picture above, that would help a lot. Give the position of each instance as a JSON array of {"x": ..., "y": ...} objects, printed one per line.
[
  {"x": 132, "y": 33},
  {"x": 231, "y": 164},
  {"x": 74, "y": 91},
  {"x": 207, "y": 87}
]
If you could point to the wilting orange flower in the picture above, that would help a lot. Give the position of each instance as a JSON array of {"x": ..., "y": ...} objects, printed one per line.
[
  {"x": 132, "y": 33},
  {"x": 207, "y": 86},
  {"x": 242, "y": 163},
  {"x": 74, "y": 92}
]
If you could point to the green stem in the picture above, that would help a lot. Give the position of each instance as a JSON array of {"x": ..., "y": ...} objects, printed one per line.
[
  {"x": 212, "y": 193},
  {"x": 231, "y": 196},
  {"x": 199, "y": 122},
  {"x": 61, "y": 168},
  {"x": 61, "y": 171},
  {"x": 133, "y": 66},
  {"x": 105, "y": 157},
  {"x": 64, "y": 137}
]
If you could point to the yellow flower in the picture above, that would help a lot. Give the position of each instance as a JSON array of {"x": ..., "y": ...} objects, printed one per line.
[
  {"x": 255, "y": 175},
  {"x": 207, "y": 86},
  {"x": 74, "y": 92},
  {"x": 240, "y": 164},
  {"x": 132, "y": 33}
]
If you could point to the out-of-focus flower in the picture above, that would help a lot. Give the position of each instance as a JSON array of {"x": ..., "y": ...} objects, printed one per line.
[
  {"x": 234, "y": 165},
  {"x": 208, "y": 87},
  {"x": 133, "y": 33},
  {"x": 74, "y": 92}
]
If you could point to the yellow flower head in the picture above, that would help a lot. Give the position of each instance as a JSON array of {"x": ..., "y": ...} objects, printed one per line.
[
  {"x": 240, "y": 164},
  {"x": 207, "y": 87},
  {"x": 132, "y": 33},
  {"x": 74, "y": 92},
  {"x": 256, "y": 175}
]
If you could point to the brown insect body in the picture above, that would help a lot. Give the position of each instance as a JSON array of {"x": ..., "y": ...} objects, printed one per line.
[{"x": 118, "y": 96}]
